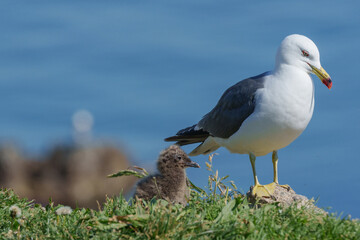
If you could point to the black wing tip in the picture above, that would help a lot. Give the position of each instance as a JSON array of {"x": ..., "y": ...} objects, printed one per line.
[
  {"x": 171, "y": 139},
  {"x": 191, "y": 131},
  {"x": 188, "y": 136},
  {"x": 185, "y": 131}
]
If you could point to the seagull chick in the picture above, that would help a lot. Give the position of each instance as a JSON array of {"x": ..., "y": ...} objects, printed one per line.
[
  {"x": 171, "y": 182},
  {"x": 265, "y": 113}
]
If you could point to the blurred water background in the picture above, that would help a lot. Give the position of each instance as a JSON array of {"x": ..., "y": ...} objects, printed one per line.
[{"x": 145, "y": 69}]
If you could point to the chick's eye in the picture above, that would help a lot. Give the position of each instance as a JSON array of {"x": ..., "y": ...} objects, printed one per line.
[{"x": 305, "y": 53}]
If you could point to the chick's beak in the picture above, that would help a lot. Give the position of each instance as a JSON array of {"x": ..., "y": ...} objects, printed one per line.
[
  {"x": 323, "y": 75},
  {"x": 192, "y": 164}
]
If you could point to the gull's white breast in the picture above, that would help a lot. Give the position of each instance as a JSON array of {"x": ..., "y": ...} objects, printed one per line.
[{"x": 283, "y": 109}]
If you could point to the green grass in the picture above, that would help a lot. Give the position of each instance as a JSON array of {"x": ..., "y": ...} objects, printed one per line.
[
  {"x": 216, "y": 217},
  {"x": 218, "y": 213}
]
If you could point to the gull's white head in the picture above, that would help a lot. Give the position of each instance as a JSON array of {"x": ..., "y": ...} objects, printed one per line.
[{"x": 299, "y": 51}]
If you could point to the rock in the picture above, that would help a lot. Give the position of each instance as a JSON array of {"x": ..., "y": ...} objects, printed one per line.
[{"x": 286, "y": 196}]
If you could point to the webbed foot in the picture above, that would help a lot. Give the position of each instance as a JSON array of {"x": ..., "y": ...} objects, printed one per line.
[
  {"x": 263, "y": 190},
  {"x": 266, "y": 190}
]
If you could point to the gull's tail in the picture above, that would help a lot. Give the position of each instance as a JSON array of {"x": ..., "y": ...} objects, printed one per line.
[{"x": 192, "y": 135}]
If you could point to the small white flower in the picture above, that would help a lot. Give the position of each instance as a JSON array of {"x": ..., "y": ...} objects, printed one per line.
[
  {"x": 15, "y": 211},
  {"x": 64, "y": 210}
]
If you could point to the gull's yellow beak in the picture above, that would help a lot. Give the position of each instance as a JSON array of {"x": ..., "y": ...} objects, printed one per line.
[{"x": 323, "y": 75}]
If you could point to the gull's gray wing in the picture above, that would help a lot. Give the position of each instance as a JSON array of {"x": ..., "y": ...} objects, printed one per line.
[{"x": 235, "y": 105}]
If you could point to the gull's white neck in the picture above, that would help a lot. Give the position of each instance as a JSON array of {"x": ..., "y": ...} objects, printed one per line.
[
  {"x": 292, "y": 90},
  {"x": 296, "y": 80}
]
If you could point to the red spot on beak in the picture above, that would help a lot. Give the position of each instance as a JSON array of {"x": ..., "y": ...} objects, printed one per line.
[{"x": 327, "y": 82}]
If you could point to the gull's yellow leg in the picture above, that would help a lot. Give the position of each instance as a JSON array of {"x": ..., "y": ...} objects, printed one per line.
[
  {"x": 258, "y": 189},
  {"x": 252, "y": 160},
  {"x": 275, "y": 162},
  {"x": 276, "y": 180}
]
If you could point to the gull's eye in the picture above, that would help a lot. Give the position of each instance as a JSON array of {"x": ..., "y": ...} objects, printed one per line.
[{"x": 305, "y": 53}]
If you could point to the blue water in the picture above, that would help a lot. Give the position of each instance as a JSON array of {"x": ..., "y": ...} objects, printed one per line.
[{"x": 145, "y": 69}]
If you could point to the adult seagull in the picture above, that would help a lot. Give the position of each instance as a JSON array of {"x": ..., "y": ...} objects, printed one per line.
[{"x": 265, "y": 113}]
